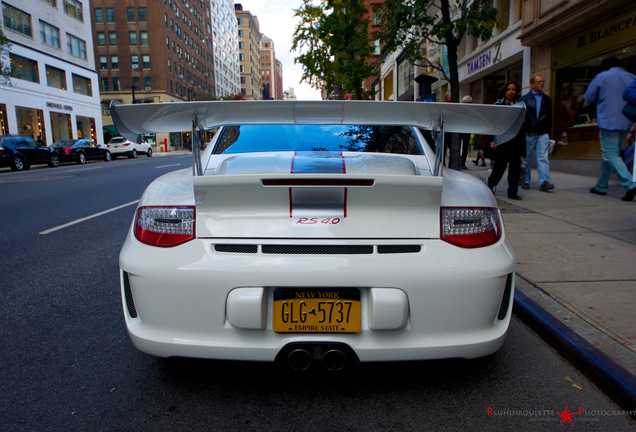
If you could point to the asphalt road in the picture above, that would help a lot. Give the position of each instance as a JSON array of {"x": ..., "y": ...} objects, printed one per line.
[{"x": 66, "y": 363}]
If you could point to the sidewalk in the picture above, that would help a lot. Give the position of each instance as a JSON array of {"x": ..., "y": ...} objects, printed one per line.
[{"x": 576, "y": 267}]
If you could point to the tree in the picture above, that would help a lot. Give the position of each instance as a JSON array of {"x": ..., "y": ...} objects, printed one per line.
[
  {"x": 336, "y": 50},
  {"x": 405, "y": 24},
  {"x": 5, "y": 64}
]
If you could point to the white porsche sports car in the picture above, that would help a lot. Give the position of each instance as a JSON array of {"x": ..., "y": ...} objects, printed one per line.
[{"x": 317, "y": 231}]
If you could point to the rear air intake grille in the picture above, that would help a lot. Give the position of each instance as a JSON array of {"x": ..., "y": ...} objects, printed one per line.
[
  {"x": 130, "y": 303},
  {"x": 505, "y": 301},
  {"x": 236, "y": 248},
  {"x": 317, "y": 249},
  {"x": 399, "y": 249}
]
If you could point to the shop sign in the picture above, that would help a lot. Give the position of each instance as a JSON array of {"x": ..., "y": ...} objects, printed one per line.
[
  {"x": 59, "y": 106},
  {"x": 596, "y": 41},
  {"x": 488, "y": 58}
]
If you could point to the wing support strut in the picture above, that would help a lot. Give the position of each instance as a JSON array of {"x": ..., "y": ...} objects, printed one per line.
[{"x": 197, "y": 170}]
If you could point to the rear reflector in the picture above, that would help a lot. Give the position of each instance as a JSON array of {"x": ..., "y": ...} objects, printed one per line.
[
  {"x": 164, "y": 226},
  {"x": 470, "y": 227}
]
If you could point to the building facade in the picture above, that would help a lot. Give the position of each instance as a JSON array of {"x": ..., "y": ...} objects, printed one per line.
[
  {"x": 267, "y": 67},
  {"x": 249, "y": 60},
  {"x": 152, "y": 51},
  {"x": 226, "y": 51},
  {"x": 52, "y": 91},
  {"x": 568, "y": 40}
]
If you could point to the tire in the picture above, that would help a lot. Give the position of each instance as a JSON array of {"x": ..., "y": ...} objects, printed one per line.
[
  {"x": 149, "y": 152},
  {"x": 107, "y": 156},
  {"x": 54, "y": 162},
  {"x": 133, "y": 155},
  {"x": 17, "y": 163},
  {"x": 81, "y": 158}
]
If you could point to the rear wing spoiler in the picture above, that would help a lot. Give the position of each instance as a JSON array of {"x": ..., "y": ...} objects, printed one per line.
[{"x": 500, "y": 120}]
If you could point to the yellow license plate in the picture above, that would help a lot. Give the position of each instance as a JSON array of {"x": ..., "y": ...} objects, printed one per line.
[{"x": 305, "y": 310}]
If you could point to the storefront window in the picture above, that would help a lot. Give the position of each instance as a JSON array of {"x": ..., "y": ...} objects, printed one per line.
[
  {"x": 61, "y": 126},
  {"x": 55, "y": 77},
  {"x": 4, "y": 126},
  {"x": 82, "y": 85},
  {"x": 30, "y": 122},
  {"x": 575, "y": 129},
  {"x": 86, "y": 128},
  {"x": 23, "y": 68}
]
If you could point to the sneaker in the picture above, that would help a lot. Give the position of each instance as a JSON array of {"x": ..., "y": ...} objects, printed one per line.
[
  {"x": 525, "y": 186},
  {"x": 464, "y": 167},
  {"x": 597, "y": 192},
  {"x": 629, "y": 195},
  {"x": 546, "y": 186}
]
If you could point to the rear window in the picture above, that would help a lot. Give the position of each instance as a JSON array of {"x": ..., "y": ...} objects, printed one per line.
[
  {"x": 327, "y": 138},
  {"x": 117, "y": 140}
]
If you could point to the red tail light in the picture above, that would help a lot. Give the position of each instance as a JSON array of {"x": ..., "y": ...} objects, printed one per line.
[
  {"x": 165, "y": 226},
  {"x": 126, "y": 144},
  {"x": 67, "y": 150},
  {"x": 470, "y": 227}
]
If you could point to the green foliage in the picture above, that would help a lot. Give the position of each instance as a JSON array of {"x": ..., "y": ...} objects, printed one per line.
[
  {"x": 440, "y": 22},
  {"x": 335, "y": 49},
  {"x": 408, "y": 23}
]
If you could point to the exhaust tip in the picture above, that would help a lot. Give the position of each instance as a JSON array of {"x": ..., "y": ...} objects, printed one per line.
[
  {"x": 334, "y": 360},
  {"x": 299, "y": 359}
]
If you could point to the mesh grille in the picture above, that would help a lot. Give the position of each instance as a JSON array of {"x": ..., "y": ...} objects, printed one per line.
[
  {"x": 399, "y": 249},
  {"x": 317, "y": 249},
  {"x": 505, "y": 301},
  {"x": 236, "y": 248},
  {"x": 130, "y": 303}
]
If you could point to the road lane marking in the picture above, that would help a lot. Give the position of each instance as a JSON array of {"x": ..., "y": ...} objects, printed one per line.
[
  {"x": 165, "y": 166},
  {"x": 76, "y": 221}
]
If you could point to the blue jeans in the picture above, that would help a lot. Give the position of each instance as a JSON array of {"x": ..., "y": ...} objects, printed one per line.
[
  {"x": 539, "y": 144},
  {"x": 611, "y": 143}
]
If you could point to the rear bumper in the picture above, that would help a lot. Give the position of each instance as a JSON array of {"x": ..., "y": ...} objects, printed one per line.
[{"x": 183, "y": 304}]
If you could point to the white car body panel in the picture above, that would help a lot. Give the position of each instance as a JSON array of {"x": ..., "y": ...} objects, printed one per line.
[{"x": 204, "y": 299}]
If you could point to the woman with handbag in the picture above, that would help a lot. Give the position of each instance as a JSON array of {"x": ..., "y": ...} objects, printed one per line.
[{"x": 508, "y": 153}]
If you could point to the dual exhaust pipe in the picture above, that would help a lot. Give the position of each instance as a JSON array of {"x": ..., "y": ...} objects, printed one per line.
[{"x": 333, "y": 357}]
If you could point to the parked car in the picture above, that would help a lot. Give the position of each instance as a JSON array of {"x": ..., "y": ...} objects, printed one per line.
[
  {"x": 120, "y": 146},
  {"x": 81, "y": 150},
  {"x": 318, "y": 232},
  {"x": 20, "y": 152}
]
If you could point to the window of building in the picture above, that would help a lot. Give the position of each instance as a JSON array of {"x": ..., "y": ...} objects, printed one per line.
[
  {"x": 130, "y": 14},
  {"x": 112, "y": 38},
  {"x": 114, "y": 62},
  {"x": 55, "y": 78},
  {"x": 132, "y": 38},
  {"x": 103, "y": 62},
  {"x": 4, "y": 126},
  {"x": 101, "y": 39},
  {"x": 141, "y": 14},
  {"x": 99, "y": 15},
  {"x": 16, "y": 20},
  {"x": 23, "y": 68},
  {"x": 110, "y": 15},
  {"x": 134, "y": 61},
  {"x": 30, "y": 122},
  {"x": 105, "y": 84},
  {"x": 143, "y": 38},
  {"x": 74, "y": 8},
  {"x": 147, "y": 83},
  {"x": 240, "y": 33},
  {"x": 49, "y": 35},
  {"x": 75, "y": 46},
  {"x": 51, "y": 2},
  {"x": 116, "y": 84},
  {"x": 145, "y": 61},
  {"x": 241, "y": 45},
  {"x": 82, "y": 85}
]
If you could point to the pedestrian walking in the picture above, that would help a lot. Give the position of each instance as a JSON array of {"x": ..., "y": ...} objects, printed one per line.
[
  {"x": 606, "y": 90},
  {"x": 538, "y": 124},
  {"x": 508, "y": 153}
]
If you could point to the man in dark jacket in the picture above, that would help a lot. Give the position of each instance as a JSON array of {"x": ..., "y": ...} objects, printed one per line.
[{"x": 538, "y": 125}]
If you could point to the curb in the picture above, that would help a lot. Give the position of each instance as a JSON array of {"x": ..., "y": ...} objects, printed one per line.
[{"x": 603, "y": 371}]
